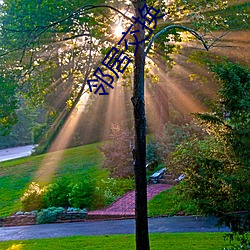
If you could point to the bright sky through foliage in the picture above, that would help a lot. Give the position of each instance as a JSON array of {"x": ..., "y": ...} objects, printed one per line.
[{"x": 118, "y": 30}]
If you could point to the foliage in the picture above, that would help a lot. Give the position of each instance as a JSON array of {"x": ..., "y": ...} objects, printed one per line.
[
  {"x": 166, "y": 141},
  {"x": 81, "y": 194},
  {"x": 216, "y": 168},
  {"x": 65, "y": 193},
  {"x": 32, "y": 199},
  {"x": 118, "y": 154},
  {"x": 45, "y": 62},
  {"x": 243, "y": 242},
  {"x": 38, "y": 131},
  {"x": 22, "y": 132},
  {"x": 103, "y": 193},
  {"x": 57, "y": 193},
  {"x": 236, "y": 16},
  {"x": 152, "y": 157},
  {"x": 123, "y": 185},
  {"x": 234, "y": 107},
  {"x": 61, "y": 193},
  {"x": 8, "y": 105},
  {"x": 48, "y": 215},
  {"x": 47, "y": 45},
  {"x": 108, "y": 190},
  {"x": 204, "y": 174}
]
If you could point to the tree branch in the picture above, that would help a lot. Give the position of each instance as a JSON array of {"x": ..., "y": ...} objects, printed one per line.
[
  {"x": 218, "y": 38},
  {"x": 74, "y": 13},
  {"x": 42, "y": 29},
  {"x": 193, "y": 32}
]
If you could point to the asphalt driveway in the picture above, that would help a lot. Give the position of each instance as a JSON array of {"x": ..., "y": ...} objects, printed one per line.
[{"x": 156, "y": 225}]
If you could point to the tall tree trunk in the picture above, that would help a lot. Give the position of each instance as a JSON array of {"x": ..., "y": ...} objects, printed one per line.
[{"x": 139, "y": 151}]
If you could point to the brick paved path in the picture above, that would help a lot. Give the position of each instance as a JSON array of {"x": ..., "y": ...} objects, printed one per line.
[{"x": 124, "y": 207}]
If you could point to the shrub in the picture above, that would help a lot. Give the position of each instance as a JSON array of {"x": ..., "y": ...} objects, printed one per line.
[
  {"x": 81, "y": 194},
  {"x": 57, "y": 193},
  {"x": 48, "y": 215},
  {"x": 103, "y": 194},
  {"x": 33, "y": 197}
]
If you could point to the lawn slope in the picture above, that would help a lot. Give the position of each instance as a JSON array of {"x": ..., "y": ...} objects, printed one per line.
[{"x": 16, "y": 175}]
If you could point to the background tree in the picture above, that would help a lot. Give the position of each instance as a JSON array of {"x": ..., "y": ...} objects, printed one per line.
[
  {"x": 118, "y": 156},
  {"x": 8, "y": 105},
  {"x": 216, "y": 168}
]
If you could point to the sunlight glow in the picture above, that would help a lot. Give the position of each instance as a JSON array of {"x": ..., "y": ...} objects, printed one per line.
[
  {"x": 115, "y": 110},
  {"x": 52, "y": 159},
  {"x": 118, "y": 30},
  {"x": 168, "y": 99}
]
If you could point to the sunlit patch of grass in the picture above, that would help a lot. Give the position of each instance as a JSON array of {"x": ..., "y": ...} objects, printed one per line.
[{"x": 16, "y": 247}]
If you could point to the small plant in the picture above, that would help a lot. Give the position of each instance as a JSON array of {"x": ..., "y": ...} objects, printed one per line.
[
  {"x": 103, "y": 195},
  {"x": 33, "y": 197},
  {"x": 109, "y": 189},
  {"x": 48, "y": 215},
  {"x": 76, "y": 210},
  {"x": 73, "y": 209}
]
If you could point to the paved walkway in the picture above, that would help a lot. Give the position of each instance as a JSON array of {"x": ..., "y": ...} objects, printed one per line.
[
  {"x": 17, "y": 152},
  {"x": 125, "y": 206}
]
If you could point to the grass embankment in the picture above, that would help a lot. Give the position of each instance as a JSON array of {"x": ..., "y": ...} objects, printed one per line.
[
  {"x": 16, "y": 175},
  {"x": 173, "y": 241},
  {"x": 170, "y": 203}
]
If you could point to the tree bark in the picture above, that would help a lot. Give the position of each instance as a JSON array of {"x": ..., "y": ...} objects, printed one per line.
[{"x": 139, "y": 151}]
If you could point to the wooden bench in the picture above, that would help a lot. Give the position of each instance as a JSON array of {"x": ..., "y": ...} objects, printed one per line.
[{"x": 155, "y": 177}]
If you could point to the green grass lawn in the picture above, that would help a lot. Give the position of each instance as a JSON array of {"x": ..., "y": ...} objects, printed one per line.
[
  {"x": 170, "y": 241},
  {"x": 169, "y": 203},
  {"x": 16, "y": 175}
]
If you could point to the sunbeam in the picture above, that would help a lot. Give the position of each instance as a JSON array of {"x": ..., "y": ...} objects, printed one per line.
[{"x": 51, "y": 161}]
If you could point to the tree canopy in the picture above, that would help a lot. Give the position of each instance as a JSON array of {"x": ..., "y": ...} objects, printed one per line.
[{"x": 55, "y": 45}]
